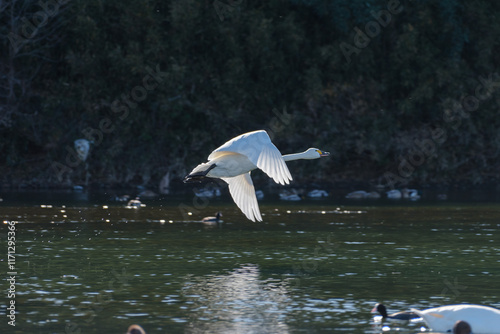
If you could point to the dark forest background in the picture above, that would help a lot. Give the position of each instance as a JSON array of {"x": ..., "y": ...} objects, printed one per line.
[{"x": 400, "y": 92}]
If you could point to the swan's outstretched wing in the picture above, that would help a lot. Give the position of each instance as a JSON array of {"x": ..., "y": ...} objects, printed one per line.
[
  {"x": 259, "y": 149},
  {"x": 243, "y": 193}
]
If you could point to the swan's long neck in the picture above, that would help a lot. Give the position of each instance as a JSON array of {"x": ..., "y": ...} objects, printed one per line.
[{"x": 295, "y": 156}]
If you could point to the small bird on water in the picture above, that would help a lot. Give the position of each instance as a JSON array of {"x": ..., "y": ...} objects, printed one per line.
[
  {"x": 212, "y": 219},
  {"x": 395, "y": 317}
]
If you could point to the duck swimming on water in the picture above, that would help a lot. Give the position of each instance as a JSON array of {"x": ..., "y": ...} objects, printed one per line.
[
  {"x": 212, "y": 220},
  {"x": 135, "y": 203},
  {"x": 404, "y": 316}
]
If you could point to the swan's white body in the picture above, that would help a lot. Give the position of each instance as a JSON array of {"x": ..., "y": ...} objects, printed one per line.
[
  {"x": 233, "y": 162},
  {"x": 482, "y": 319}
]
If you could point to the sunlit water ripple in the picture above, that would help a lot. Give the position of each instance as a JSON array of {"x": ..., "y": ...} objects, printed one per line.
[{"x": 310, "y": 267}]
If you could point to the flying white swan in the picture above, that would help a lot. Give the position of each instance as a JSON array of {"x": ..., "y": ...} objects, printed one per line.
[
  {"x": 482, "y": 319},
  {"x": 233, "y": 162}
]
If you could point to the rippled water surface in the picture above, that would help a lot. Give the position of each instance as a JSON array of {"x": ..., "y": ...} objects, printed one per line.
[{"x": 86, "y": 264}]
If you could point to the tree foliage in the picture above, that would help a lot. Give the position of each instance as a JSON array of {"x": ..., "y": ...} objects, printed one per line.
[{"x": 158, "y": 84}]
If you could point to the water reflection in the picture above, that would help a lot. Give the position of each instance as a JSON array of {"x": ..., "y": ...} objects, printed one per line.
[
  {"x": 182, "y": 277},
  {"x": 237, "y": 302}
]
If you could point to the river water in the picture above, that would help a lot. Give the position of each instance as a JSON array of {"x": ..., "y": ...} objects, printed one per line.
[{"x": 86, "y": 264}]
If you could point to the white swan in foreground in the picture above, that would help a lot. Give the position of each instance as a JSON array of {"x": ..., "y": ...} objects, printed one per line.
[
  {"x": 233, "y": 162},
  {"x": 482, "y": 319}
]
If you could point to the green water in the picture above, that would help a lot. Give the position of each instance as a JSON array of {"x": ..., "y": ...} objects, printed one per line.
[{"x": 310, "y": 267}]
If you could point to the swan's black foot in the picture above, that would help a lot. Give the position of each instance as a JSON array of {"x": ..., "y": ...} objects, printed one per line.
[
  {"x": 192, "y": 178},
  {"x": 198, "y": 176}
]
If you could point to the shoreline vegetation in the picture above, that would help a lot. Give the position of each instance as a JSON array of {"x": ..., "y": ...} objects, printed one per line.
[{"x": 402, "y": 93}]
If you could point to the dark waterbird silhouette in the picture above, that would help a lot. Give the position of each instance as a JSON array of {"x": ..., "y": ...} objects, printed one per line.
[
  {"x": 212, "y": 219},
  {"x": 398, "y": 317}
]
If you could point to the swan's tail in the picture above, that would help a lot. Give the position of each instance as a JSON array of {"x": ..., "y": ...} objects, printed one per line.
[{"x": 199, "y": 173}]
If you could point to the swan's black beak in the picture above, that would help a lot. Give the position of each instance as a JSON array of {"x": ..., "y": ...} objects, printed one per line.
[{"x": 324, "y": 154}]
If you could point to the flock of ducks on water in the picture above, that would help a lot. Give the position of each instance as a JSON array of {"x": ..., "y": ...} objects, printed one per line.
[
  {"x": 406, "y": 193},
  {"x": 285, "y": 195},
  {"x": 456, "y": 319},
  {"x": 297, "y": 195},
  {"x": 233, "y": 162}
]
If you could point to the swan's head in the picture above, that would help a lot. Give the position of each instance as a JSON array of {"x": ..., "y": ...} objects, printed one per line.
[{"x": 314, "y": 153}]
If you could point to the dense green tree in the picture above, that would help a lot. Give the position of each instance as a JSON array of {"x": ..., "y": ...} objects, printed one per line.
[{"x": 156, "y": 85}]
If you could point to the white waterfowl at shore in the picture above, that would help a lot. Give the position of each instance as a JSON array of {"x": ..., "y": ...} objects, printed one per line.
[
  {"x": 317, "y": 193},
  {"x": 290, "y": 195},
  {"x": 233, "y": 162},
  {"x": 361, "y": 194},
  {"x": 135, "y": 203},
  {"x": 403, "y": 193}
]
